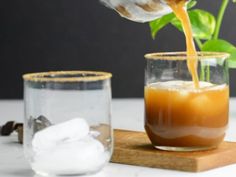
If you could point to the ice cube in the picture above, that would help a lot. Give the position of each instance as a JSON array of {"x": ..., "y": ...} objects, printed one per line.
[
  {"x": 71, "y": 130},
  {"x": 201, "y": 105},
  {"x": 87, "y": 154}
]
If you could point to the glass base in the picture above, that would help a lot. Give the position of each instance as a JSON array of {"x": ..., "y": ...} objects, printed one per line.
[
  {"x": 43, "y": 174},
  {"x": 184, "y": 149}
]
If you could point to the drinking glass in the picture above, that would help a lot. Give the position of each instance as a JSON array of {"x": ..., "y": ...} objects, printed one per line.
[
  {"x": 178, "y": 116},
  {"x": 67, "y": 128}
]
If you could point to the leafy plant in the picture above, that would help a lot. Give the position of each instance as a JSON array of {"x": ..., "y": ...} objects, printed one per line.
[{"x": 205, "y": 26}]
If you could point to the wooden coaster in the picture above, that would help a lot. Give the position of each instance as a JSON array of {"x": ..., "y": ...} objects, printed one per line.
[{"x": 134, "y": 148}]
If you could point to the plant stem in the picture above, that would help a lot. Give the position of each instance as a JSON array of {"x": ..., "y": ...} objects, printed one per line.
[
  {"x": 202, "y": 73},
  {"x": 220, "y": 16},
  {"x": 198, "y": 42},
  {"x": 208, "y": 74}
]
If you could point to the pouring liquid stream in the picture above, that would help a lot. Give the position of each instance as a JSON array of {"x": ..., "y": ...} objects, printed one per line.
[
  {"x": 178, "y": 7},
  {"x": 148, "y": 10}
]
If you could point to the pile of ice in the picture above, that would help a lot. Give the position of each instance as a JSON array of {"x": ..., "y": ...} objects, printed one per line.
[
  {"x": 139, "y": 10},
  {"x": 68, "y": 148}
]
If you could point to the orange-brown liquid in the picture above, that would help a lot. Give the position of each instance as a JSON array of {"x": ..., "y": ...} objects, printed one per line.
[
  {"x": 178, "y": 7},
  {"x": 179, "y": 115}
]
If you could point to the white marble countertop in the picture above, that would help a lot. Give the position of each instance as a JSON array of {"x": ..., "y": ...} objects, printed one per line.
[{"x": 127, "y": 114}]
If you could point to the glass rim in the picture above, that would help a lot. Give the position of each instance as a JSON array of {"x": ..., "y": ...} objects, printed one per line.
[
  {"x": 183, "y": 55},
  {"x": 53, "y": 76}
]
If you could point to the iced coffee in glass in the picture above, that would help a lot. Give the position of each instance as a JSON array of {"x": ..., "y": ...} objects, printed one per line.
[{"x": 179, "y": 116}]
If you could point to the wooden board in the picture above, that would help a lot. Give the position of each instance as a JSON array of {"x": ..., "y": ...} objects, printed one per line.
[{"x": 134, "y": 148}]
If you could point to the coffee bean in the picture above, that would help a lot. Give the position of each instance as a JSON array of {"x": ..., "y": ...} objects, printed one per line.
[{"x": 8, "y": 128}]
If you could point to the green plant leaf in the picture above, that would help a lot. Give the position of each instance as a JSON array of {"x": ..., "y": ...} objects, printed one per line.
[
  {"x": 219, "y": 45},
  {"x": 203, "y": 23},
  {"x": 191, "y": 4},
  {"x": 158, "y": 24}
]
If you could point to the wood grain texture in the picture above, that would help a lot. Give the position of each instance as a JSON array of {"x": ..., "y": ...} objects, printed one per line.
[{"x": 134, "y": 148}]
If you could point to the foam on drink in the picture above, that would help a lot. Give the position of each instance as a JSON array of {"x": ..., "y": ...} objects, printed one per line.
[{"x": 186, "y": 86}]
